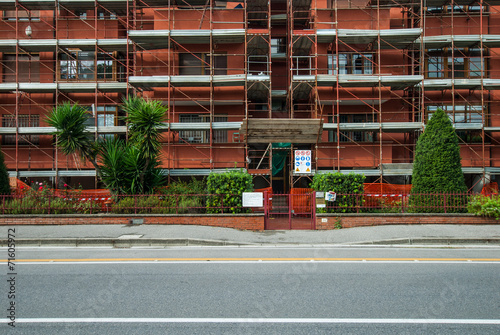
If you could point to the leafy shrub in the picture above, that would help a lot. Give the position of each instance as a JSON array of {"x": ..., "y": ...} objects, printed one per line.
[
  {"x": 485, "y": 206},
  {"x": 348, "y": 187},
  {"x": 227, "y": 189}
]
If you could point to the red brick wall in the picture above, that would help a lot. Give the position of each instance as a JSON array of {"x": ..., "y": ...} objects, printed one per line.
[
  {"x": 360, "y": 220},
  {"x": 244, "y": 222}
]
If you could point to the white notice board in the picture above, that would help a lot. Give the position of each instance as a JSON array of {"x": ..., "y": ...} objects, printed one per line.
[
  {"x": 303, "y": 161},
  {"x": 253, "y": 199}
]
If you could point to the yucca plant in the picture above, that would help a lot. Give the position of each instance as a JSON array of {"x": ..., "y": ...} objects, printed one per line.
[
  {"x": 145, "y": 119},
  {"x": 130, "y": 167}
]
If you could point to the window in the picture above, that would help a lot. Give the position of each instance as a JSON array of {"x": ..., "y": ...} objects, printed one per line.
[
  {"x": 462, "y": 63},
  {"x": 278, "y": 45},
  {"x": 84, "y": 65},
  {"x": 22, "y": 15},
  {"x": 105, "y": 14},
  {"x": 353, "y": 136},
  {"x": 456, "y": 9},
  {"x": 107, "y": 116},
  {"x": 361, "y": 63},
  {"x": 28, "y": 68},
  {"x": 202, "y": 136},
  {"x": 463, "y": 114},
  {"x": 199, "y": 64},
  {"x": 24, "y": 120}
]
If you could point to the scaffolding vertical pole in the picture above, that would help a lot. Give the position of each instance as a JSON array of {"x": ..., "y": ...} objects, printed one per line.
[
  {"x": 483, "y": 116},
  {"x": 452, "y": 4},
  {"x": 289, "y": 57},
  {"x": 96, "y": 57},
  {"x": 170, "y": 137},
  {"x": 212, "y": 65},
  {"x": 422, "y": 66},
  {"x": 269, "y": 64},
  {"x": 379, "y": 70},
  {"x": 337, "y": 71},
  {"x": 17, "y": 90},
  {"x": 56, "y": 16},
  {"x": 245, "y": 85}
]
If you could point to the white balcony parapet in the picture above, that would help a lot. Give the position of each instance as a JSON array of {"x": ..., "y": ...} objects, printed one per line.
[
  {"x": 76, "y": 87},
  {"x": 347, "y": 80},
  {"x": 196, "y": 81},
  {"x": 52, "y": 45},
  {"x": 390, "y": 38},
  {"x": 459, "y": 41},
  {"x": 474, "y": 83},
  {"x": 159, "y": 39}
]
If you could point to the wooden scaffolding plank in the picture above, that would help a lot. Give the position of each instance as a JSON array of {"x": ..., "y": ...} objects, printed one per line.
[{"x": 282, "y": 130}]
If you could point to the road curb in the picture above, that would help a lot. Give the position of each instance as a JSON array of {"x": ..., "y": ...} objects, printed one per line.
[
  {"x": 433, "y": 240},
  {"x": 119, "y": 242},
  {"x": 172, "y": 242}
]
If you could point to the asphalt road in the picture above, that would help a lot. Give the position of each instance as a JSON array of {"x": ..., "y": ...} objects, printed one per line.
[{"x": 254, "y": 291}]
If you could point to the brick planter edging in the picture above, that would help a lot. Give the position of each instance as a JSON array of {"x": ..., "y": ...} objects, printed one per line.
[
  {"x": 237, "y": 221},
  {"x": 379, "y": 219}
]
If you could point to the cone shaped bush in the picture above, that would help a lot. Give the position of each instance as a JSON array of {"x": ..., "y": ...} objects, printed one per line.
[
  {"x": 4, "y": 176},
  {"x": 437, "y": 168}
]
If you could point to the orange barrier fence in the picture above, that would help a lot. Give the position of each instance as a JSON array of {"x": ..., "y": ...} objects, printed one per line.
[{"x": 301, "y": 200}]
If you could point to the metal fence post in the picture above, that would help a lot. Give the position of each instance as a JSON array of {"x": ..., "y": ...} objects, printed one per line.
[
  {"x": 135, "y": 204},
  {"x": 176, "y": 204},
  {"x": 444, "y": 198},
  {"x": 222, "y": 203}
]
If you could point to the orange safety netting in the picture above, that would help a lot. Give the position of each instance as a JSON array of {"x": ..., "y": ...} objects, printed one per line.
[
  {"x": 378, "y": 193},
  {"x": 490, "y": 188},
  {"x": 18, "y": 186}
]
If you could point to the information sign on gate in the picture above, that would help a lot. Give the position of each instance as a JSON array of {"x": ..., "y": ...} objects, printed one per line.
[
  {"x": 253, "y": 199},
  {"x": 303, "y": 162}
]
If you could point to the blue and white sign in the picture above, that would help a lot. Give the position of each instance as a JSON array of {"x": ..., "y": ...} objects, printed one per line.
[{"x": 303, "y": 162}]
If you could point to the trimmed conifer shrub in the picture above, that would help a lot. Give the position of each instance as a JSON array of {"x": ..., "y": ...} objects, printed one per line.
[
  {"x": 4, "y": 176},
  {"x": 437, "y": 169}
]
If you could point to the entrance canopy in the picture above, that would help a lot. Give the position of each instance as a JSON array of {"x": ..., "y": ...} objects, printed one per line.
[{"x": 282, "y": 130}]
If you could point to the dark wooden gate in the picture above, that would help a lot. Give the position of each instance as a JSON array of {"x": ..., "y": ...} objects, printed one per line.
[{"x": 290, "y": 211}]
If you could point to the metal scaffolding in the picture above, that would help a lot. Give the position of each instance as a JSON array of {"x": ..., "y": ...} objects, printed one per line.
[{"x": 371, "y": 73}]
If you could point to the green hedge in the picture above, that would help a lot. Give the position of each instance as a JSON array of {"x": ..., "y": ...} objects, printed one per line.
[
  {"x": 347, "y": 186},
  {"x": 227, "y": 189}
]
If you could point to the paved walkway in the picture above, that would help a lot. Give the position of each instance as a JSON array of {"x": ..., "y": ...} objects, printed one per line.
[{"x": 158, "y": 235}]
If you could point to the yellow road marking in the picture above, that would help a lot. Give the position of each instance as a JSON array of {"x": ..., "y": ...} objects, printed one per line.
[{"x": 253, "y": 259}]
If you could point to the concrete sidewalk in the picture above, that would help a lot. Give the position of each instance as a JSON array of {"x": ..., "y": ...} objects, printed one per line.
[{"x": 177, "y": 235}]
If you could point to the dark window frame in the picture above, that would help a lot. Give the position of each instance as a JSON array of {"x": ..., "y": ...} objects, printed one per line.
[
  {"x": 199, "y": 63},
  {"x": 445, "y": 63},
  {"x": 85, "y": 66}
]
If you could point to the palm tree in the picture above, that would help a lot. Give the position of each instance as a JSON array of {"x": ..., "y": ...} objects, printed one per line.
[
  {"x": 130, "y": 167},
  {"x": 71, "y": 136}
]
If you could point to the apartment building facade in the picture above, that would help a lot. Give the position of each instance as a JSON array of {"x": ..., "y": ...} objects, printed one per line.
[{"x": 351, "y": 83}]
